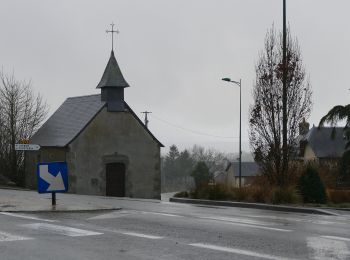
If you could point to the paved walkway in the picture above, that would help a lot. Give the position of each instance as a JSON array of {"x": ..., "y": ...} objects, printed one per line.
[{"x": 27, "y": 201}]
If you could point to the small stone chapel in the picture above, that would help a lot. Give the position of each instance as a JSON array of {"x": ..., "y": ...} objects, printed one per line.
[{"x": 108, "y": 149}]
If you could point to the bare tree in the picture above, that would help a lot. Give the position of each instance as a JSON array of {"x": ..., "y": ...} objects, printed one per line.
[
  {"x": 266, "y": 114},
  {"x": 213, "y": 159},
  {"x": 21, "y": 113}
]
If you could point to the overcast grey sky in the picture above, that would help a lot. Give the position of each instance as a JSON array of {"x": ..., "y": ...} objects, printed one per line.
[{"x": 173, "y": 54}]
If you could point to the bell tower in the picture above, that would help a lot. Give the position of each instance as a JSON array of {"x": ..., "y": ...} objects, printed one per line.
[{"x": 112, "y": 83}]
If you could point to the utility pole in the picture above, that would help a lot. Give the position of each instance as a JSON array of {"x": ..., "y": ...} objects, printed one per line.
[
  {"x": 146, "y": 117},
  {"x": 284, "y": 99}
]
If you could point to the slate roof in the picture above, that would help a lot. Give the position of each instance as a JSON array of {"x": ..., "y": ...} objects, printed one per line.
[
  {"x": 112, "y": 76},
  {"x": 249, "y": 169},
  {"x": 323, "y": 144},
  {"x": 71, "y": 118}
]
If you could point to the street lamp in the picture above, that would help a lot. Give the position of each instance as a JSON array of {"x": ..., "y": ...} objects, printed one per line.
[{"x": 239, "y": 84}]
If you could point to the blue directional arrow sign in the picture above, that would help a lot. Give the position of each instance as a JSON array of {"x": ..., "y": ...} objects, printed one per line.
[{"x": 52, "y": 177}]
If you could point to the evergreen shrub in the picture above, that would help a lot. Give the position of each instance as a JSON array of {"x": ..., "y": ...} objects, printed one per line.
[
  {"x": 201, "y": 174},
  {"x": 311, "y": 186}
]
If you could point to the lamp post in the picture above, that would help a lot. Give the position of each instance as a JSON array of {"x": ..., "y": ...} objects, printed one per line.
[
  {"x": 239, "y": 84},
  {"x": 284, "y": 100}
]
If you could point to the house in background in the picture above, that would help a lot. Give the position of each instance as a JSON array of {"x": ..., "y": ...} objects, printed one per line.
[
  {"x": 230, "y": 175},
  {"x": 325, "y": 145},
  {"x": 108, "y": 149},
  {"x": 224, "y": 176}
]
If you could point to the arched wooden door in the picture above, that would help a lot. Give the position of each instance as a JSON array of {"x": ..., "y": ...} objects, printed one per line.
[{"x": 115, "y": 179}]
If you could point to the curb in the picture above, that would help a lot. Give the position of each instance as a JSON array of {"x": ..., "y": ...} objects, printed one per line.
[
  {"x": 254, "y": 206},
  {"x": 13, "y": 188},
  {"x": 344, "y": 209},
  {"x": 60, "y": 210}
]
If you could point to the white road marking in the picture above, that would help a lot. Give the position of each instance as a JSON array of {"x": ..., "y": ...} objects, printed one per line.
[
  {"x": 320, "y": 222},
  {"x": 123, "y": 213},
  {"x": 62, "y": 230},
  {"x": 238, "y": 251},
  {"x": 162, "y": 214},
  {"x": 125, "y": 232},
  {"x": 337, "y": 238},
  {"x": 283, "y": 218},
  {"x": 4, "y": 237},
  {"x": 313, "y": 221},
  {"x": 141, "y": 235},
  {"x": 248, "y": 225},
  {"x": 16, "y": 215},
  {"x": 104, "y": 216},
  {"x": 237, "y": 220},
  {"x": 167, "y": 202},
  {"x": 114, "y": 214},
  {"x": 327, "y": 249}
]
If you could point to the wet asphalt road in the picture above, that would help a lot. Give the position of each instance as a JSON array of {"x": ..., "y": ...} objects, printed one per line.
[{"x": 153, "y": 230}]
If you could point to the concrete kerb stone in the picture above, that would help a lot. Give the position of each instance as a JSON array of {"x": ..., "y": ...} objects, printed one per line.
[
  {"x": 254, "y": 206},
  {"x": 345, "y": 209},
  {"x": 13, "y": 188}
]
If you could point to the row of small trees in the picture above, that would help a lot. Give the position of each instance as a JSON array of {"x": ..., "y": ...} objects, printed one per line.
[
  {"x": 177, "y": 167},
  {"x": 21, "y": 113}
]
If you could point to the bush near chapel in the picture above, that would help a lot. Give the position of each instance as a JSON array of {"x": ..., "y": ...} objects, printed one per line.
[
  {"x": 311, "y": 186},
  {"x": 201, "y": 174}
]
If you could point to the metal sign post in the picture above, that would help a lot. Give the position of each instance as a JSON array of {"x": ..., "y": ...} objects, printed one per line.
[{"x": 53, "y": 199}]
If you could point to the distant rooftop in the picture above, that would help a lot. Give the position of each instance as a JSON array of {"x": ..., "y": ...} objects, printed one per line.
[
  {"x": 324, "y": 144},
  {"x": 249, "y": 169}
]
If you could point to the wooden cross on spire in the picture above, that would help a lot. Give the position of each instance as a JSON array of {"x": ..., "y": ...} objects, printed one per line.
[{"x": 112, "y": 31}]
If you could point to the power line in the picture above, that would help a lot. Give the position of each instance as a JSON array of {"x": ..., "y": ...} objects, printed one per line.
[{"x": 191, "y": 130}]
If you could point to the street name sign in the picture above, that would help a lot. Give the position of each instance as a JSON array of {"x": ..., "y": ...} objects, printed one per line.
[
  {"x": 27, "y": 147},
  {"x": 52, "y": 177}
]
